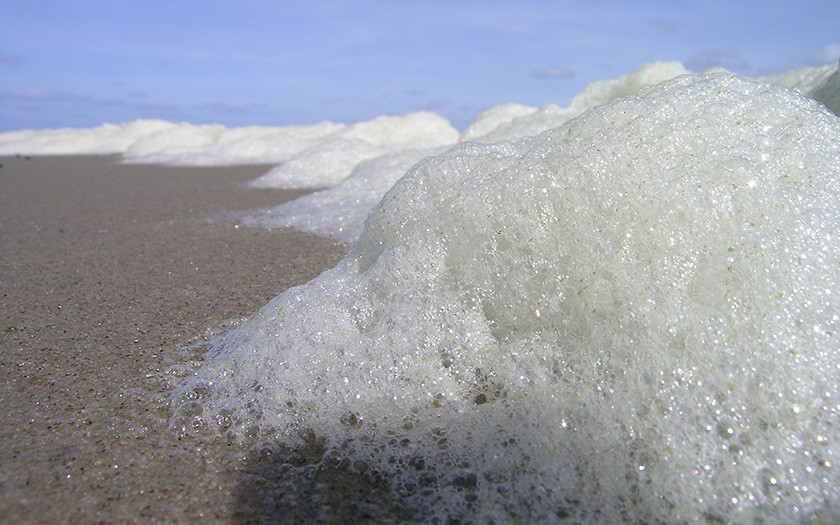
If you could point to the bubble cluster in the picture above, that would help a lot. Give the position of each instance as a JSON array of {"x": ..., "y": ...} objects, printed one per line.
[{"x": 629, "y": 318}]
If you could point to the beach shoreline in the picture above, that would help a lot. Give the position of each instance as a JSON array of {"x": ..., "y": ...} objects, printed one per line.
[{"x": 107, "y": 272}]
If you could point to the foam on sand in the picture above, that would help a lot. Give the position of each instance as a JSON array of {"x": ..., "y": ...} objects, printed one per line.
[
  {"x": 631, "y": 317},
  {"x": 334, "y": 159},
  {"x": 162, "y": 142},
  {"x": 103, "y": 140},
  {"x": 182, "y": 144},
  {"x": 510, "y": 121},
  {"x": 340, "y": 210}
]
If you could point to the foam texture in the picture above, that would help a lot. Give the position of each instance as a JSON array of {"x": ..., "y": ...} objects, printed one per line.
[
  {"x": 333, "y": 160},
  {"x": 511, "y": 121},
  {"x": 821, "y": 83},
  {"x": 632, "y": 317},
  {"x": 315, "y": 155},
  {"x": 340, "y": 211}
]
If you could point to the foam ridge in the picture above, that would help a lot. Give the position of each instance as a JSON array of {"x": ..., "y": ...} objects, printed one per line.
[{"x": 628, "y": 318}]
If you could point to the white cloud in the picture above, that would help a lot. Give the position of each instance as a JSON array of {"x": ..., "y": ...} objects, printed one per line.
[
  {"x": 727, "y": 58},
  {"x": 553, "y": 73},
  {"x": 828, "y": 55},
  {"x": 433, "y": 105},
  {"x": 10, "y": 60},
  {"x": 662, "y": 25},
  {"x": 42, "y": 93}
]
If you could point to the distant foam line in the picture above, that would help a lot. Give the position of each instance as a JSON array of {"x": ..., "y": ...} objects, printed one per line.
[
  {"x": 340, "y": 211},
  {"x": 162, "y": 142},
  {"x": 355, "y": 164}
]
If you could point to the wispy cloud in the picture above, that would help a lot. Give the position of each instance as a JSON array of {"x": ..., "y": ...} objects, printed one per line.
[
  {"x": 433, "y": 105},
  {"x": 662, "y": 25},
  {"x": 41, "y": 93},
  {"x": 235, "y": 109},
  {"x": 10, "y": 60},
  {"x": 553, "y": 73},
  {"x": 726, "y": 58},
  {"x": 828, "y": 55}
]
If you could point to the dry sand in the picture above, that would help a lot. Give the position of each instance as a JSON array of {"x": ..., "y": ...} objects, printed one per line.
[{"x": 107, "y": 271}]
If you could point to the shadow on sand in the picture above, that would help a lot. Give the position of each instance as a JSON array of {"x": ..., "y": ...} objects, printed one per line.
[{"x": 284, "y": 486}]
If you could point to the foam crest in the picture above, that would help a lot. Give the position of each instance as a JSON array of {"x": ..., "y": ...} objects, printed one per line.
[
  {"x": 511, "y": 121},
  {"x": 820, "y": 83},
  {"x": 185, "y": 144},
  {"x": 103, "y": 140},
  {"x": 320, "y": 166},
  {"x": 340, "y": 211},
  {"x": 333, "y": 160},
  {"x": 315, "y": 155},
  {"x": 629, "y": 318}
]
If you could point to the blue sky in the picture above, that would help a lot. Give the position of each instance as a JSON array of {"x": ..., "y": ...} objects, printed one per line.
[{"x": 82, "y": 63}]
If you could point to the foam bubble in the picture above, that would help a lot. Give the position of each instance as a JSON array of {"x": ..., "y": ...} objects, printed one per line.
[{"x": 629, "y": 318}]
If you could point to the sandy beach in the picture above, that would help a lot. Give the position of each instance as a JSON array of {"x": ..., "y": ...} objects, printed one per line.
[{"x": 107, "y": 272}]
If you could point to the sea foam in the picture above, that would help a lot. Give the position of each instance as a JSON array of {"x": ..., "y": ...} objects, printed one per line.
[
  {"x": 340, "y": 210},
  {"x": 334, "y": 159},
  {"x": 631, "y": 317},
  {"x": 511, "y": 121},
  {"x": 318, "y": 150}
]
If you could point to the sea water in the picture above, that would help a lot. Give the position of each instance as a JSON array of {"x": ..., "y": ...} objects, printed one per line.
[{"x": 632, "y": 317}]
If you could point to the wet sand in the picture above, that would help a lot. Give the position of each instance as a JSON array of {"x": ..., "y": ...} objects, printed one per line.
[{"x": 107, "y": 271}]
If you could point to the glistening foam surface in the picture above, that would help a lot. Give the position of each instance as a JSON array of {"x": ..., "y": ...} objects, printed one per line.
[{"x": 632, "y": 317}]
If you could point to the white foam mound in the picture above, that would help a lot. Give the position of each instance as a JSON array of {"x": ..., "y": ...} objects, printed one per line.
[
  {"x": 320, "y": 166},
  {"x": 333, "y": 160},
  {"x": 604, "y": 91},
  {"x": 630, "y": 318},
  {"x": 493, "y": 118},
  {"x": 175, "y": 143},
  {"x": 511, "y": 121},
  {"x": 820, "y": 83},
  {"x": 185, "y": 144},
  {"x": 103, "y": 140},
  {"x": 340, "y": 211},
  {"x": 317, "y": 155}
]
